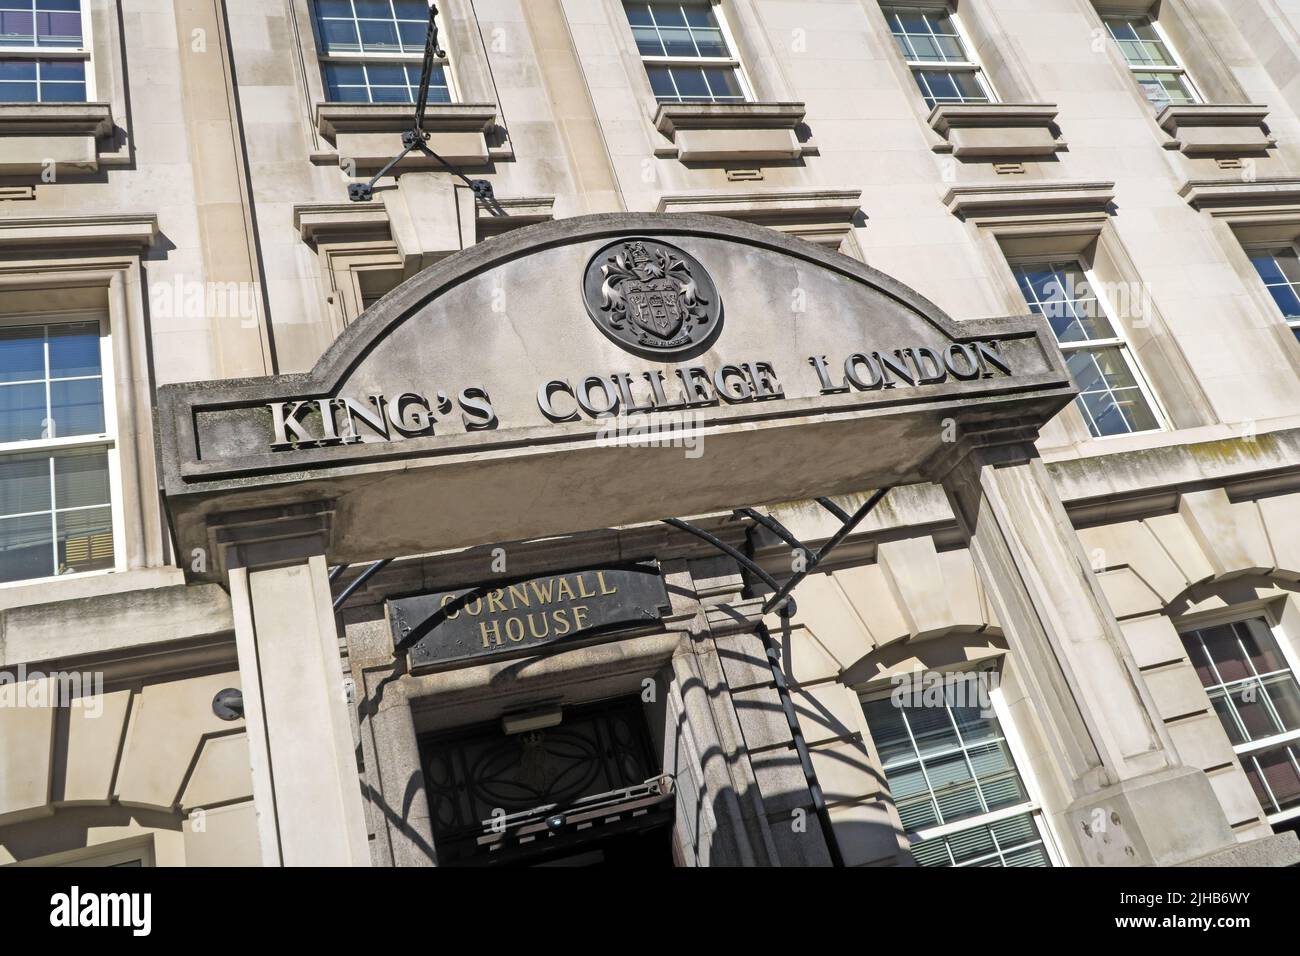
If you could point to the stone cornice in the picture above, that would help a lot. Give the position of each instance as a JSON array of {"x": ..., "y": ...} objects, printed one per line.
[
  {"x": 51, "y": 119},
  {"x": 1216, "y": 129},
  {"x": 1229, "y": 195},
  {"x": 116, "y": 232},
  {"x": 335, "y": 118},
  {"x": 992, "y": 130},
  {"x": 671, "y": 117},
  {"x": 1023, "y": 200}
]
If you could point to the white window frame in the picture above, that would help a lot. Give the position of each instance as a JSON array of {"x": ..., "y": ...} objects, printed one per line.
[
  {"x": 108, "y": 440},
  {"x": 1019, "y": 754},
  {"x": 1292, "y": 660},
  {"x": 1178, "y": 69},
  {"x": 1258, "y": 248},
  {"x": 733, "y": 61},
  {"x": 84, "y": 53},
  {"x": 1119, "y": 340},
  {"x": 972, "y": 64},
  {"x": 364, "y": 57}
]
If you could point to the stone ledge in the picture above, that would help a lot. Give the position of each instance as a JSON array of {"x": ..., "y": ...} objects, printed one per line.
[
  {"x": 367, "y": 222},
  {"x": 988, "y": 130},
  {"x": 125, "y": 232},
  {"x": 1239, "y": 194},
  {"x": 1029, "y": 199},
  {"x": 727, "y": 132},
  {"x": 35, "y": 135},
  {"x": 341, "y": 222},
  {"x": 1210, "y": 129},
  {"x": 824, "y": 216},
  {"x": 370, "y": 134}
]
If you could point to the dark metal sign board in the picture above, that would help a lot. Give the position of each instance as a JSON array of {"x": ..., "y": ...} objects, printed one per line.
[{"x": 493, "y": 619}]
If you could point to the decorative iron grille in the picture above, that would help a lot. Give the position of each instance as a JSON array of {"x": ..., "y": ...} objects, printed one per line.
[{"x": 473, "y": 777}]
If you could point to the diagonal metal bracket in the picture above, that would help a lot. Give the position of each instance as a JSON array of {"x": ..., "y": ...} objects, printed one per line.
[
  {"x": 784, "y": 605},
  {"x": 781, "y": 601},
  {"x": 417, "y": 139}
]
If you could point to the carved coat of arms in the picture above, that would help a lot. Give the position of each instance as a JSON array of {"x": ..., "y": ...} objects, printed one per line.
[{"x": 651, "y": 296}]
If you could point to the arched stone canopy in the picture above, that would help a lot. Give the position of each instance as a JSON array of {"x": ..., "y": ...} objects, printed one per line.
[{"x": 499, "y": 321}]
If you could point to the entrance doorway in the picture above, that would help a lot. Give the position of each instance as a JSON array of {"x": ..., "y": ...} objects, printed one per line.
[{"x": 585, "y": 791}]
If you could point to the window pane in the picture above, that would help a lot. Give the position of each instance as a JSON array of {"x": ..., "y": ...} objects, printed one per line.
[
  {"x": 1267, "y": 266},
  {"x": 340, "y": 36},
  {"x": 411, "y": 10},
  {"x": 373, "y": 9},
  {"x": 1254, "y": 712},
  {"x": 22, "y": 354},
  {"x": 391, "y": 94},
  {"x": 661, "y": 82},
  {"x": 1164, "y": 88},
  {"x": 76, "y": 408},
  {"x": 378, "y": 36},
  {"x": 24, "y": 484},
  {"x": 969, "y": 844},
  {"x": 1261, "y": 646},
  {"x": 26, "y": 548},
  {"x": 1279, "y": 772},
  {"x": 638, "y": 14},
  {"x": 723, "y": 83},
  {"x": 710, "y": 42},
  {"x": 691, "y": 84},
  {"x": 81, "y": 479},
  {"x": 677, "y": 41},
  {"x": 16, "y": 28},
  {"x": 22, "y": 412},
  {"x": 668, "y": 15},
  {"x": 386, "y": 74},
  {"x": 412, "y": 35},
  {"x": 647, "y": 41},
  {"x": 85, "y": 540},
  {"x": 1288, "y": 303},
  {"x": 74, "y": 351},
  {"x": 58, "y": 29}
]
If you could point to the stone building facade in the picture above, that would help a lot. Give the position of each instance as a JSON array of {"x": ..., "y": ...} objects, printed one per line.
[{"x": 1017, "y": 284}]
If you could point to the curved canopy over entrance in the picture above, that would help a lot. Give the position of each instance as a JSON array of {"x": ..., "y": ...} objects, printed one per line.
[{"x": 527, "y": 387}]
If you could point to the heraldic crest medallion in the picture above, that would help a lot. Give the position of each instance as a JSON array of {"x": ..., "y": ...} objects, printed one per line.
[{"x": 651, "y": 298}]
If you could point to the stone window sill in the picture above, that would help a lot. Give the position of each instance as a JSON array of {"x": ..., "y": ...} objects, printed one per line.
[
  {"x": 996, "y": 130},
  {"x": 1209, "y": 129},
  {"x": 34, "y": 135},
  {"x": 732, "y": 132},
  {"x": 370, "y": 134},
  {"x": 825, "y": 217}
]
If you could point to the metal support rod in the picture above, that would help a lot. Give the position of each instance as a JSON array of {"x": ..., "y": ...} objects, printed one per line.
[
  {"x": 776, "y": 600},
  {"x": 337, "y": 570},
  {"x": 417, "y": 138},
  {"x": 784, "y": 604},
  {"x": 800, "y": 745},
  {"x": 748, "y": 563},
  {"x": 774, "y": 526},
  {"x": 834, "y": 509},
  {"x": 361, "y": 579}
]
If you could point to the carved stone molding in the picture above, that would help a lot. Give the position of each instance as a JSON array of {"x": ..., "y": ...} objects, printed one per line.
[
  {"x": 1210, "y": 129},
  {"x": 726, "y": 132},
  {"x": 34, "y": 135},
  {"x": 995, "y": 130},
  {"x": 370, "y": 134}
]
